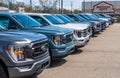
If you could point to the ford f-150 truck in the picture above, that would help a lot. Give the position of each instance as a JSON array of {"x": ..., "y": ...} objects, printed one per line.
[
  {"x": 95, "y": 25},
  {"x": 81, "y": 33},
  {"x": 91, "y": 17},
  {"x": 22, "y": 54},
  {"x": 66, "y": 20},
  {"x": 59, "y": 39}
]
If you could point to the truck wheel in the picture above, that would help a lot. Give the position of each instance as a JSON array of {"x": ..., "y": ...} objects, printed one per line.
[
  {"x": 3, "y": 73},
  {"x": 93, "y": 33},
  {"x": 51, "y": 59}
]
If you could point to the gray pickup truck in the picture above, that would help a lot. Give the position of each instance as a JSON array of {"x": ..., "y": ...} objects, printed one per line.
[{"x": 22, "y": 54}]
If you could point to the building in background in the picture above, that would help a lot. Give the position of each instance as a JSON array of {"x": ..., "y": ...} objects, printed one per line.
[{"x": 109, "y": 7}]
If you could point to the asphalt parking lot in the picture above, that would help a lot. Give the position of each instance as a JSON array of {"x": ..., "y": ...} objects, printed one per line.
[{"x": 99, "y": 59}]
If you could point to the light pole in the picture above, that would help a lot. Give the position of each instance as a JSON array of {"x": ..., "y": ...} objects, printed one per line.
[
  {"x": 84, "y": 6},
  {"x": 61, "y": 6},
  {"x": 71, "y": 7},
  {"x": 91, "y": 6}
]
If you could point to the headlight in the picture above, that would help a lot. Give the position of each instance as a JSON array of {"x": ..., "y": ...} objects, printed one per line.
[
  {"x": 75, "y": 33},
  {"x": 79, "y": 33},
  {"x": 57, "y": 40},
  {"x": 16, "y": 52}
]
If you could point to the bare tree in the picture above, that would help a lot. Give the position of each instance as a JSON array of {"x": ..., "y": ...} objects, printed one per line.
[{"x": 48, "y": 5}]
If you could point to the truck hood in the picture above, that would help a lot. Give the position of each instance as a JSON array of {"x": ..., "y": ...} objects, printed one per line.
[
  {"x": 20, "y": 36},
  {"x": 105, "y": 19},
  {"x": 96, "y": 22},
  {"x": 74, "y": 26},
  {"x": 52, "y": 30},
  {"x": 85, "y": 23}
]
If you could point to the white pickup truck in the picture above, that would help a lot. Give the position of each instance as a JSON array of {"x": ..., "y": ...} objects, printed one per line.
[{"x": 81, "y": 34}]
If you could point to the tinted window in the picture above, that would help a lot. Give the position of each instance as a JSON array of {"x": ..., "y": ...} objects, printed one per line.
[
  {"x": 53, "y": 19},
  {"x": 81, "y": 18},
  {"x": 72, "y": 20},
  {"x": 85, "y": 17},
  {"x": 7, "y": 23},
  {"x": 40, "y": 20},
  {"x": 95, "y": 16},
  {"x": 107, "y": 15},
  {"x": 63, "y": 18},
  {"x": 90, "y": 16},
  {"x": 73, "y": 17},
  {"x": 4, "y": 22},
  {"x": 102, "y": 15},
  {"x": 26, "y": 21}
]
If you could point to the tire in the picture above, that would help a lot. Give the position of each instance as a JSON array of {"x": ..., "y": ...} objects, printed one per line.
[
  {"x": 51, "y": 58},
  {"x": 93, "y": 33},
  {"x": 3, "y": 73}
]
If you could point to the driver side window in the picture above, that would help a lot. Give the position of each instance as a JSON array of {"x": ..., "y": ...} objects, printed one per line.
[
  {"x": 40, "y": 20},
  {"x": 4, "y": 22},
  {"x": 7, "y": 23}
]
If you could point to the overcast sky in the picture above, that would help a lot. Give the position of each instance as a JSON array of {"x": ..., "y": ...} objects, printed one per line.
[{"x": 67, "y": 3}]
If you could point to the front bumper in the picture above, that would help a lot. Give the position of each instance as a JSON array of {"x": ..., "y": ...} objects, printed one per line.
[
  {"x": 63, "y": 51},
  {"x": 34, "y": 69},
  {"x": 81, "y": 42}
]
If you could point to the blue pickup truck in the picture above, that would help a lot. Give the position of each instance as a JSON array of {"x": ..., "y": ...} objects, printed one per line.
[{"x": 60, "y": 39}]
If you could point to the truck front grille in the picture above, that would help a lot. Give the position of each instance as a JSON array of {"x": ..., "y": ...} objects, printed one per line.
[
  {"x": 39, "y": 48},
  {"x": 79, "y": 34},
  {"x": 98, "y": 25},
  {"x": 85, "y": 33},
  {"x": 82, "y": 33},
  {"x": 69, "y": 38}
]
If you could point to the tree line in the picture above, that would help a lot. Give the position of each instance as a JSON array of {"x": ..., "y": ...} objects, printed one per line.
[{"x": 45, "y": 6}]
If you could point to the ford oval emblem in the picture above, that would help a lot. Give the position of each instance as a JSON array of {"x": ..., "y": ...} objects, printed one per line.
[{"x": 44, "y": 48}]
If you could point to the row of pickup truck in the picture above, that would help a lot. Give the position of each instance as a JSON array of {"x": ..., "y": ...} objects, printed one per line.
[{"x": 30, "y": 42}]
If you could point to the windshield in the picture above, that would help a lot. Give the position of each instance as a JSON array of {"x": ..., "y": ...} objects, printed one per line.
[
  {"x": 81, "y": 18},
  {"x": 102, "y": 15},
  {"x": 106, "y": 15},
  {"x": 90, "y": 16},
  {"x": 98, "y": 15},
  {"x": 53, "y": 19},
  {"x": 95, "y": 16},
  {"x": 26, "y": 21},
  {"x": 71, "y": 20},
  {"x": 85, "y": 17},
  {"x": 63, "y": 18},
  {"x": 77, "y": 18}
]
